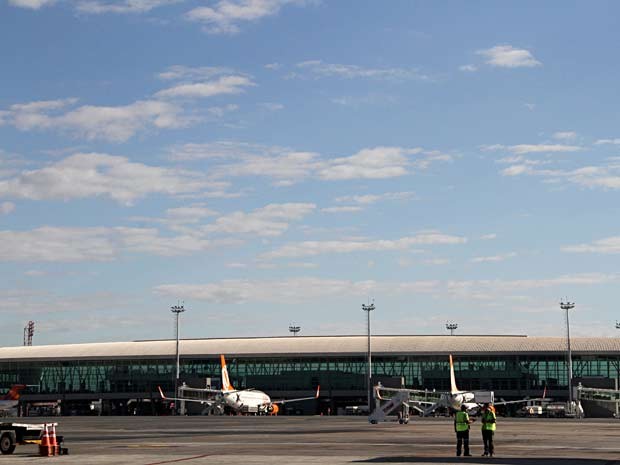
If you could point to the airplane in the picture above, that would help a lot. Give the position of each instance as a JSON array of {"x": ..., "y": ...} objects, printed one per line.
[
  {"x": 11, "y": 399},
  {"x": 239, "y": 400},
  {"x": 453, "y": 399}
]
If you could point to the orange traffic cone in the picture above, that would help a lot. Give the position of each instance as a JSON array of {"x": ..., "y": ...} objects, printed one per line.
[
  {"x": 53, "y": 442},
  {"x": 44, "y": 446}
]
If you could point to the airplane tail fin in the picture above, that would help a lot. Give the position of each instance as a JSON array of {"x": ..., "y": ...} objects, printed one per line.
[
  {"x": 14, "y": 392},
  {"x": 226, "y": 386},
  {"x": 453, "y": 388}
]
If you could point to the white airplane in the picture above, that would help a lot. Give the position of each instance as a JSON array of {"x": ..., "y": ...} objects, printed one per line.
[
  {"x": 238, "y": 400},
  {"x": 453, "y": 399},
  {"x": 10, "y": 400}
]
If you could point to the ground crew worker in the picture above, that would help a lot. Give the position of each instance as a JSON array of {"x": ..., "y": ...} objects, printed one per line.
[
  {"x": 461, "y": 427},
  {"x": 488, "y": 429}
]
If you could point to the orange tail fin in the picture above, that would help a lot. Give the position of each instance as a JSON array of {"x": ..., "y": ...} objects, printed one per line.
[
  {"x": 14, "y": 392},
  {"x": 453, "y": 388},
  {"x": 226, "y": 385}
]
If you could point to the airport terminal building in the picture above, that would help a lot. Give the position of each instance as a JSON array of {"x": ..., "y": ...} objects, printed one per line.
[{"x": 118, "y": 373}]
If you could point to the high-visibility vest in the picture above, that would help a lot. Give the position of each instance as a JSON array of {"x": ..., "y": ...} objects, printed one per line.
[
  {"x": 462, "y": 421},
  {"x": 488, "y": 420}
]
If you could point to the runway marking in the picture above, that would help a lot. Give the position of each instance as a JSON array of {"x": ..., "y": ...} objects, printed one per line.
[
  {"x": 506, "y": 445},
  {"x": 180, "y": 460}
]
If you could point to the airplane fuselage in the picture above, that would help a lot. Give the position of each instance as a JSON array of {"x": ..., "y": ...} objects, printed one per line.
[
  {"x": 253, "y": 399},
  {"x": 457, "y": 399}
]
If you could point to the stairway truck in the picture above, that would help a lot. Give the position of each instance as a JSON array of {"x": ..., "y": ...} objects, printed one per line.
[{"x": 13, "y": 434}]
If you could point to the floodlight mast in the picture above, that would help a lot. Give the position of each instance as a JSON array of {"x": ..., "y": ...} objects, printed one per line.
[
  {"x": 451, "y": 327},
  {"x": 177, "y": 310},
  {"x": 566, "y": 306},
  {"x": 368, "y": 309},
  {"x": 294, "y": 329}
]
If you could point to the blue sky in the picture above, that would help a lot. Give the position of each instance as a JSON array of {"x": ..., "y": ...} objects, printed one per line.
[{"x": 283, "y": 161}]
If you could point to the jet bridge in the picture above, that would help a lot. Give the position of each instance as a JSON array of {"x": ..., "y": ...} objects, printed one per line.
[
  {"x": 599, "y": 395},
  {"x": 390, "y": 401}
]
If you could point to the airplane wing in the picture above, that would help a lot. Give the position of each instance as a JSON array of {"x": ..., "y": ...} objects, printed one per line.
[
  {"x": 286, "y": 401},
  {"x": 208, "y": 402},
  {"x": 520, "y": 401}
]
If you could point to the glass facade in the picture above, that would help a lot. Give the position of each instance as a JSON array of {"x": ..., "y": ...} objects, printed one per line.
[{"x": 507, "y": 375}]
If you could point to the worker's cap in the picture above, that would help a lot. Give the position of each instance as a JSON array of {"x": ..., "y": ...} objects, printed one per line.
[{"x": 463, "y": 407}]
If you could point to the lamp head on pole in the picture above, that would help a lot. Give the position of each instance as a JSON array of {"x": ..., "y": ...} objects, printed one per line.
[
  {"x": 368, "y": 308},
  {"x": 177, "y": 309},
  {"x": 450, "y": 326},
  {"x": 567, "y": 305}
]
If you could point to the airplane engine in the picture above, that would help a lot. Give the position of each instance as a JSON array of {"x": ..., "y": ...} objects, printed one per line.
[{"x": 273, "y": 409}]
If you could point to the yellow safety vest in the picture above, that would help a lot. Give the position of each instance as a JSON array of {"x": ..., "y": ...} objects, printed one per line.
[
  {"x": 488, "y": 420},
  {"x": 462, "y": 421}
]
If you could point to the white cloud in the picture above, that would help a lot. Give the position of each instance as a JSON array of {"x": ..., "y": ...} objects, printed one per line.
[
  {"x": 608, "y": 245},
  {"x": 271, "y": 106},
  {"x": 220, "y": 112},
  {"x": 31, "y": 4},
  {"x": 193, "y": 74},
  {"x": 506, "y": 56},
  {"x": 57, "y": 244},
  {"x": 226, "y": 15},
  {"x": 372, "y": 163},
  {"x": 342, "y": 209},
  {"x": 530, "y": 106},
  {"x": 368, "y": 199},
  {"x": 95, "y": 174},
  {"x": 121, "y": 7},
  {"x": 564, "y": 135},
  {"x": 494, "y": 258},
  {"x": 221, "y": 86},
  {"x": 606, "y": 176},
  {"x": 488, "y": 237},
  {"x": 437, "y": 261},
  {"x": 608, "y": 141},
  {"x": 271, "y": 220},
  {"x": 522, "y": 149},
  {"x": 304, "y": 289},
  {"x": 6, "y": 208},
  {"x": 287, "y": 166},
  {"x": 288, "y": 290},
  {"x": 99, "y": 244},
  {"x": 190, "y": 213},
  {"x": 114, "y": 123},
  {"x": 313, "y": 248},
  {"x": 468, "y": 68},
  {"x": 35, "y": 273},
  {"x": 318, "y": 69}
]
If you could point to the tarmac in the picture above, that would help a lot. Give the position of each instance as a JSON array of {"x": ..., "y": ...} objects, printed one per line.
[{"x": 321, "y": 440}]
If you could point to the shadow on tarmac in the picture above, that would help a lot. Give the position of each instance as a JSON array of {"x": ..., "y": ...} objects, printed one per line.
[{"x": 494, "y": 460}]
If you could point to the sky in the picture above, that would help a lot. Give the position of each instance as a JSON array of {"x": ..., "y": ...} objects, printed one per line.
[{"x": 277, "y": 162}]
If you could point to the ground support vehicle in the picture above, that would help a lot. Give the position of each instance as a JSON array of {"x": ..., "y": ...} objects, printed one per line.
[{"x": 13, "y": 434}]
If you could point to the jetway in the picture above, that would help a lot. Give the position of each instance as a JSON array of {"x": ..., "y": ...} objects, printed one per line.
[
  {"x": 599, "y": 395},
  {"x": 399, "y": 402}
]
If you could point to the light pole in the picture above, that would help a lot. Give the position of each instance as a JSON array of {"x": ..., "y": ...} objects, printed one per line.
[
  {"x": 368, "y": 309},
  {"x": 451, "y": 327},
  {"x": 177, "y": 310},
  {"x": 294, "y": 329},
  {"x": 566, "y": 306}
]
